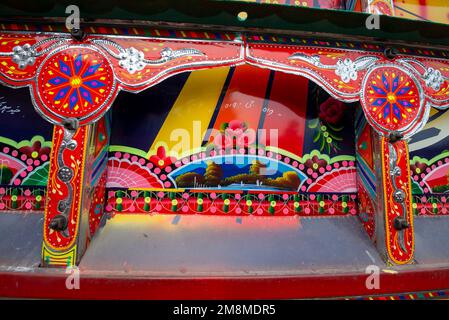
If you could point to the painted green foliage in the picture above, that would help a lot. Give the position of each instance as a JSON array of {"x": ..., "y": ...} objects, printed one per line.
[
  {"x": 326, "y": 135},
  {"x": 38, "y": 177},
  {"x": 5, "y": 174}
]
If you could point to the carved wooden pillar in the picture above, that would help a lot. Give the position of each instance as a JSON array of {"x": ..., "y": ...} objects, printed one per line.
[{"x": 75, "y": 191}]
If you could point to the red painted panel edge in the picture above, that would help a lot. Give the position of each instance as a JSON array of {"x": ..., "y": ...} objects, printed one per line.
[{"x": 26, "y": 285}]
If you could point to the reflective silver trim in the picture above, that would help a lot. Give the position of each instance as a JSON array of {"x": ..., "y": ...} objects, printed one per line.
[
  {"x": 346, "y": 69},
  {"x": 398, "y": 193},
  {"x": 65, "y": 174},
  {"x": 134, "y": 60}
]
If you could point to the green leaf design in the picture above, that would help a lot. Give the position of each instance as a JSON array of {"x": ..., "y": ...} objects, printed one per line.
[
  {"x": 322, "y": 144},
  {"x": 224, "y": 126},
  {"x": 336, "y": 129},
  {"x": 38, "y": 177},
  {"x": 335, "y": 137},
  {"x": 416, "y": 189}
]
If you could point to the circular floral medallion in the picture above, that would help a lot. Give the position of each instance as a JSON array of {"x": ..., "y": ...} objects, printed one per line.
[
  {"x": 392, "y": 99},
  {"x": 76, "y": 82}
]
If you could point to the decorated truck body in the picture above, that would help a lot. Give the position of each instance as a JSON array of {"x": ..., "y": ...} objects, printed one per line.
[{"x": 225, "y": 149}]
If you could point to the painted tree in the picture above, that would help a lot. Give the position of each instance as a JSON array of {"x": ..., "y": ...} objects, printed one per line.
[
  {"x": 291, "y": 179},
  {"x": 214, "y": 174},
  {"x": 189, "y": 179},
  {"x": 5, "y": 174},
  {"x": 256, "y": 167}
]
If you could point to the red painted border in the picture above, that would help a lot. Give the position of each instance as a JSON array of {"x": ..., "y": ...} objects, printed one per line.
[{"x": 40, "y": 285}]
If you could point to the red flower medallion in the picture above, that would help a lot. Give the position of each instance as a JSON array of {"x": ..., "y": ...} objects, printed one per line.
[
  {"x": 75, "y": 83},
  {"x": 392, "y": 99}
]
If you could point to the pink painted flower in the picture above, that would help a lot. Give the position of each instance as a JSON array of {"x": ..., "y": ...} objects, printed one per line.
[
  {"x": 235, "y": 128},
  {"x": 223, "y": 141},
  {"x": 245, "y": 139},
  {"x": 236, "y": 133},
  {"x": 36, "y": 150},
  {"x": 315, "y": 163}
]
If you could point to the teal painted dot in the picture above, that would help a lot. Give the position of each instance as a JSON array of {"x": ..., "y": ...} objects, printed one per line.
[
  {"x": 363, "y": 145},
  {"x": 98, "y": 209}
]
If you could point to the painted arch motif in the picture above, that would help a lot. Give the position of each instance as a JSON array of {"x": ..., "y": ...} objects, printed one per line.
[
  {"x": 71, "y": 79},
  {"x": 396, "y": 95}
]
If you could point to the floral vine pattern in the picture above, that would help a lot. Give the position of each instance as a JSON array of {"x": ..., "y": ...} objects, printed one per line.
[
  {"x": 346, "y": 69},
  {"x": 29, "y": 199},
  {"x": 430, "y": 204},
  {"x": 217, "y": 203},
  {"x": 328, "y": 125},
  {"x": 134, "y": 60}
]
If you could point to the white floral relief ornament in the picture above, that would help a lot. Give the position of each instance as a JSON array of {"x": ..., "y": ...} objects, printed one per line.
[
  {"x": 433, "y": 78},
  {"x": 24, "y": 55},
  {"x": 132, "y": 60},
  {"x": 347, "y": 70},
  {"x": 167, "y": 53}
]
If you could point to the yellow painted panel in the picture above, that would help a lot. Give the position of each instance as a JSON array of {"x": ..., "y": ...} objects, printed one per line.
[{"x": 433, "y": 10}]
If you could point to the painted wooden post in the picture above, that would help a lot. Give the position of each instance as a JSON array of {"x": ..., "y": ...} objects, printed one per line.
[
  {"x": 75, "y": 191},
  {"x": 384, "y": 192},
  {"x": 392, "y": 220},
  {"x": 393, "y": 213},
  {"x": 366, "y": 176}
]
